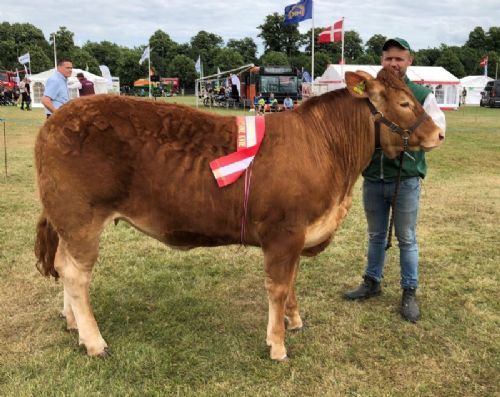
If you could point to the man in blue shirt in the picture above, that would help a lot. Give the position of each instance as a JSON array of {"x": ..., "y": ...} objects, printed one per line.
[{"x": 56, "y": 91}]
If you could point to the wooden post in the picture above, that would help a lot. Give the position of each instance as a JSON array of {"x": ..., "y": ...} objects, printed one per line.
[{"x": 5, "y": 148}]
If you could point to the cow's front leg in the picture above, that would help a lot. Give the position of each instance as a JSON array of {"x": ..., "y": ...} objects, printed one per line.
[{"x": 281, "y": 259}]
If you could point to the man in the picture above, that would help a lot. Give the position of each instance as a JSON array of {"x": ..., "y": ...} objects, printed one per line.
[
  {"x": 85, "y": 87},
  {"x": 24, "y": 89},
  {"x": 56, "y": 91},
  {"x": 288, "y": 103},
  {"x": 378, "y": 189}
]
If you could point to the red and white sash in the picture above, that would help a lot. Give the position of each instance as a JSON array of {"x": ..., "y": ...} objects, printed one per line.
[{"x": 228, "y": 169}]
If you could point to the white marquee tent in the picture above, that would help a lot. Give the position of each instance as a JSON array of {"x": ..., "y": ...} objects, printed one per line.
[
  {"x": 474, "y": 85},
  {"x": 38, "y": 84},
  {"x": 444, "y": 84}
]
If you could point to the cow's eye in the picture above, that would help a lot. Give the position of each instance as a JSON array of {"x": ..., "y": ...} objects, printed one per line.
[{"x": 405, "y": 104}]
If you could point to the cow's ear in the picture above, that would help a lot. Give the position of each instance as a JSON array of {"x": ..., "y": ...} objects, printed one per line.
[{"x": 356, "y": 83}]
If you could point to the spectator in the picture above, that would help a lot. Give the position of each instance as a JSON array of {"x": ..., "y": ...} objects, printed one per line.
[
  {"x": 288, "y": 103},
  {"x": 272, "y": 103},
  {"x": 24, "y": 89},
  {"x": 463, "y": 96},
  {"x": 85, "y": 87},
  {"x": 56, "y": 91}
]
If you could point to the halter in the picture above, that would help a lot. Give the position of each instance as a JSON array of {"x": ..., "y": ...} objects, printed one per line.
[
  {"x": 403, "y": 132},
  {"x": 405, "y": 135}
]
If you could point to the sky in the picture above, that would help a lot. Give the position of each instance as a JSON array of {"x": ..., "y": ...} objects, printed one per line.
[{"x": 130, "y": 23}]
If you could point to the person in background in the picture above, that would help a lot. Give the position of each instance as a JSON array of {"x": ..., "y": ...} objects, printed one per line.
[
  {"x": 24, "y": 89},
  {"x": 378, "y": 189},
  {"x": 273, "y": 103},
  {"x": 463, "y": 97},
  {"x": 288, "y": 103},
  {"x": 85, "y": 87},
  {"x": 56, "y": 91}
]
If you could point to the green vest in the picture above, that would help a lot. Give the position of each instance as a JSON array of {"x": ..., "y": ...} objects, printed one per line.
[{"x": 381, "y": 167}]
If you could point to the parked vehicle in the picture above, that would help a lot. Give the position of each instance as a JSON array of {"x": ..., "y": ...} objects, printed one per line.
[
  {"x": 491, "y": 95},
  {"x": 281, "y": 81}
]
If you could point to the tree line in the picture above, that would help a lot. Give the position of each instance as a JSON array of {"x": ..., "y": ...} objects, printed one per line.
[{"x": 283, "y": 45}]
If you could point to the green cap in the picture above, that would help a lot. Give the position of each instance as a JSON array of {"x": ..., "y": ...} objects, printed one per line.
[{"x": 398, "y": 42}]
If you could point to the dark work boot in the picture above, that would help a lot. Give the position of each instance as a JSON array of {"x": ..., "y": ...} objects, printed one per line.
[
  {"x": 366, "y": 290},
  {"x": 409, "y": 306}
]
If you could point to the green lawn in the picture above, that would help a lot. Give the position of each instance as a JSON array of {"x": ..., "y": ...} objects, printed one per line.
[{"x": 194, "y": 323}]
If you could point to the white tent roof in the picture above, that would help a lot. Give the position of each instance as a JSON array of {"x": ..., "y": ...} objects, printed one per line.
[
  {"x": 475, "y": 81},
  {"x": 97, "y": 80},
  {"x": 474, "y": 85},
  {"x": 418, "y": 74}
]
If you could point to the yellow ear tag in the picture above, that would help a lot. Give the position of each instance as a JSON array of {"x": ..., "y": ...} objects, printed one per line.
[{"x": 359, "y": 88}]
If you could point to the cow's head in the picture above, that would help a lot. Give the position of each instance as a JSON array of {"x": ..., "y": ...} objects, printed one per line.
[{"x": 393, "y": 99}]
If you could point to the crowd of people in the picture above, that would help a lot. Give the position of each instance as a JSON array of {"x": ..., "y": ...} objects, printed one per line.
[
  {"x": 56, "y": 91},
  {"x": 263, "y": 104},
  {"x": 17, "y": 95}
]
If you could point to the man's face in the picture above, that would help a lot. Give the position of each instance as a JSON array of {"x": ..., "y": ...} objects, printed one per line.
[
  {"x": 397, "y": 59},
  {"x": 65, "y": 69}
]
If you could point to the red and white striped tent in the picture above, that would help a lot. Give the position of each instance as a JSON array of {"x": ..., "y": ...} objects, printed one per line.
[{"x": 446, "y": 86}]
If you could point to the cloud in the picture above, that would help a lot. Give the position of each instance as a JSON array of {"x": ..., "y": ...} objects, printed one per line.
[{"x": 130, "y": 23}]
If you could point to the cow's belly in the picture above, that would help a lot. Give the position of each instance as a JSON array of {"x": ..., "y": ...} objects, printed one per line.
[
  {"x": 324, "y": 227},
  {"x": 156, "y": 228}
]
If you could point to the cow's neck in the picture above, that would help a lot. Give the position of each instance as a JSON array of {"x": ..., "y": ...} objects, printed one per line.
[{"x": 347, "y": 129}]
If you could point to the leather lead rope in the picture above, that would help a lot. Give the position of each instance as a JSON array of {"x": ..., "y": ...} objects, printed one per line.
[{"x": 394, "y": 200}]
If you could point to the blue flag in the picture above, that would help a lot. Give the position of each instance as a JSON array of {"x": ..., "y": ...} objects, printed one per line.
[
  {"x": 298, "y": 12},
  {"x": 306, "y": 77}
]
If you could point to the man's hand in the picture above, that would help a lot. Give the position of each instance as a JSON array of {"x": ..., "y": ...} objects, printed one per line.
[{"x": 47, "y": 102}]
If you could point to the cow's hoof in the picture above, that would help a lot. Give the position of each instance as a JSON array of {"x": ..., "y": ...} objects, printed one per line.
[
  {"x": 104, "y": 354},
  {"x": 293, "y": 324},
  {"x": 278, "y": 354}
]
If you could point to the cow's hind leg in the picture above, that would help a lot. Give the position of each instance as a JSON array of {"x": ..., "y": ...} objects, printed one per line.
[
  {"x": 292, "y": 315},
  {"x": 67, "y": 313},
  {"x": 281, "y": 256},
  {"x": 74, "y": 262}
]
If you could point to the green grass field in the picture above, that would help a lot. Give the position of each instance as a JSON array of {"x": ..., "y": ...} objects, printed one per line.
[{"x": 194, "y": 323}]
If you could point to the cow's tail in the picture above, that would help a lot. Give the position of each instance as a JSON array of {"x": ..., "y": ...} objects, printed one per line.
[{"x": 46, "y": 243}]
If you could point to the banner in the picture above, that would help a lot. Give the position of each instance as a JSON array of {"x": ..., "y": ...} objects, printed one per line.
[
  {"x": 295, "y": 13},
  {"x": 24, "y": 59},
  {"x": 197, "y": 66},
  {"x": 332, "y": 33},
  {"x": 227, "y": 169},
  {"x": 145, "y": 55},
  {"x": 106, "y": 74}
]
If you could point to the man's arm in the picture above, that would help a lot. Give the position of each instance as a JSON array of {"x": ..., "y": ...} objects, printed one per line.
[
  {"x": 47, "y": 102},
  {"x": 432, "y": 109}
]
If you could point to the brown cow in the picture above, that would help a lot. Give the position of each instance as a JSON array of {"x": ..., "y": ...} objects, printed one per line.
[{"x": 105, "y": 158}]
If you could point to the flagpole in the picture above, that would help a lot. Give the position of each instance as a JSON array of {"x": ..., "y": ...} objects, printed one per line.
[
  {"x": 312, "y": 45},
  {"x": 149, "y": 70},
  {"x": 342, "y": 61},
  {"x": 55, "y": 55}
]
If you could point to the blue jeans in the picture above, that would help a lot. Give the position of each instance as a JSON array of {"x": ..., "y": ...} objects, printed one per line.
[{"x": 377, "y": 198}]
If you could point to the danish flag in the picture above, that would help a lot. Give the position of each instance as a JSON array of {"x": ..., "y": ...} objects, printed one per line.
[
  {"x": 484, "y": 61},
  {"x": 332, "y": 33}
]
